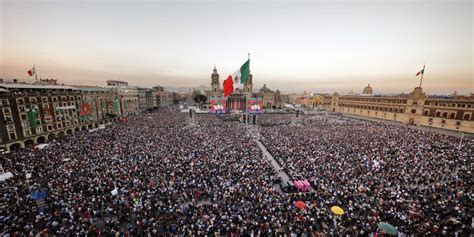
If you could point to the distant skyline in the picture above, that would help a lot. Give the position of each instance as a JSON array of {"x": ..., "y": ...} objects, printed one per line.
[{"x": 321, "y": 46}]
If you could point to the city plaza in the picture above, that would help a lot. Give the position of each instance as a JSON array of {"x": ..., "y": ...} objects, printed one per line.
[{"x": 319, "y": 172}]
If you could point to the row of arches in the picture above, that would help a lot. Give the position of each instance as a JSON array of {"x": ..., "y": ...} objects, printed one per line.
[{"x": 29, "y": 142}]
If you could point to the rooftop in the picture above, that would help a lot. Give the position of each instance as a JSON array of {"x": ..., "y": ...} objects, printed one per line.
[{"x": 34, "y": 86}]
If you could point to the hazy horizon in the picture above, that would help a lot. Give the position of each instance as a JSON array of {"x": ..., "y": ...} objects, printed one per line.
[{"x": 322, "y": 46}]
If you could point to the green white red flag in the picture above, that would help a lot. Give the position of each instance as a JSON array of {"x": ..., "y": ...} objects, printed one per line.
[
  {"x": 32, "y": 71},
  {"x": 239, "y": 77},
  {"x": 420, "y": 72}
]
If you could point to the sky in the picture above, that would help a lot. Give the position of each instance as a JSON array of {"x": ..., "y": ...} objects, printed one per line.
[{"x": 317, "y": 46}]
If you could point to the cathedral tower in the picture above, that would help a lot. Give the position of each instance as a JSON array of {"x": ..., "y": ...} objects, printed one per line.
[{"x": 215, "y": 85}]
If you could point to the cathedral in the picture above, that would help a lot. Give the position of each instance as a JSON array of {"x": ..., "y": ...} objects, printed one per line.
[{"x": 235, "y": 101}]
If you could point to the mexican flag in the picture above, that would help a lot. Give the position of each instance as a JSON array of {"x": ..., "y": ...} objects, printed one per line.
[
  {"x": 420, "y": 72},
  {"x": 32, "y": 71},
  {"x": 237, "y": 78}
]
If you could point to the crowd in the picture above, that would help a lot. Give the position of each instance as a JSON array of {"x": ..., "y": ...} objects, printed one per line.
[
  {"x": 155, "y": 175},
  {"x": 417, "y": 181}
]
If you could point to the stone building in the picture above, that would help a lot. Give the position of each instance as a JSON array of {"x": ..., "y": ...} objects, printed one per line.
[
  {"x": 97, "y": 104},
  {"x": 36, "y": 113},
  {"x": 128, "y": 97},
  {"x": 161, "y": 97},
  {"x": 414, "y": 109},
  {"x": 277, "y": 99},
  {"x": 268, "y": 97},
  {"x": 146, "y": 99}
]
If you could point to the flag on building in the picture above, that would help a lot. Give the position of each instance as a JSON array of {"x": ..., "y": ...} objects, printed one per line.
[
  {"x": 420, "y": 72},
  {"x": 239, "y": 77},
  {"x": 32, "y": 71}
]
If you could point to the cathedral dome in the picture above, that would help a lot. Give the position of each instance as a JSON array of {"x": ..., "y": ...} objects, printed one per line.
[{"x": 367, "y": 90}]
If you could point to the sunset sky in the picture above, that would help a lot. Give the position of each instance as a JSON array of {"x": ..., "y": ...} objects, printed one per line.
[{"x": 321, "y": 46}]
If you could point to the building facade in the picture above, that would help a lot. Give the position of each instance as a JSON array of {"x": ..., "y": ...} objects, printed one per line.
[
  {"x": 33, "y": 113},
  {"x": 128, "y": 97},
  {"x": 268, "y": 97},
  {"x": 161, "y": 98},
  {"x": 414, "y": 109}
]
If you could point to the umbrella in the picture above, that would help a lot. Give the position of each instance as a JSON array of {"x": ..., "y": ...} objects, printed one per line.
[
  {"x": 387, "y": 228},
  {"x": 337, "y": 210},
  {"x": 300, "y": 204}
]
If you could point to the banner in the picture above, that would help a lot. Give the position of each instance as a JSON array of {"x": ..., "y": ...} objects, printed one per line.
[
  {"x": 218, "y": 105},
  {"x": 32, "y": 116},
  {"x": 255, "y": 105}
]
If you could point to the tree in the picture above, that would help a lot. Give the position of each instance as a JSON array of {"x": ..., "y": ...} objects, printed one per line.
[{"x": 199, "y": 98}]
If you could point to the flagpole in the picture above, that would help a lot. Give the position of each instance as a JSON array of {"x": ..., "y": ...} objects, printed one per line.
[
  {"x": 36, "y": 75},
  {"x": 422, "y": 74},
  {"x": 246, "y": 97}
]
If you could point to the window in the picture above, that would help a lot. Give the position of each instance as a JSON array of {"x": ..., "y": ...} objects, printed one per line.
[
  {"x": 27, "y": 132},
  {"x": 443, "y": 121},
  {"x": 32, "y": 100},
  {"x": 452, "y": 115},
  {"x": 50, "y": 127},
  {"x": 413, "y": 111},
  {"x": 425, "y": 113},
  {"x": 8, "y": 118},
  {"x": 12, "y": 136},
  {"x": 4, "y": 102},
  {"x": 6, "y": 111},
  {"x": 44, "y": 99},
  {"x": 20, "y": 101},
  {"x": 458, "y": 123},
  {"x": 25, "y": 124},
  {"x": 467, "y": 116}
]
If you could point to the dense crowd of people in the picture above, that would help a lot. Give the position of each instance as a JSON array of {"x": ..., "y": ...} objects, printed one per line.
[
  {"x": 418, "y": 181},
  {"x": 159, "y": 174}
]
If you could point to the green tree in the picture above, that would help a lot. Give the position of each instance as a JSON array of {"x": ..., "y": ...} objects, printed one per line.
[{"x": 199, "y": 99}]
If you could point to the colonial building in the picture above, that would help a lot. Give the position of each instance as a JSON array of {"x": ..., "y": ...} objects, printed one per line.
[
  {"x": 37, "y": 113},
  {"x": 97, "y": 104},
  {"x": 414, "y": 109},
  {"x": 268, "y": 97},
  {"x": 161, "y": 97},
  {"x": 146, "y": 99},
  {"x": 128, "y": 97}
]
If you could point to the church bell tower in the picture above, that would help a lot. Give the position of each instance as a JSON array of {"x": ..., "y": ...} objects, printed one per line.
[{"x": 215, "y": 85}]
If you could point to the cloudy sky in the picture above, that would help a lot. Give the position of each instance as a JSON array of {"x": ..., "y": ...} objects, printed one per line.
[{"x": 321, "y": 46}]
